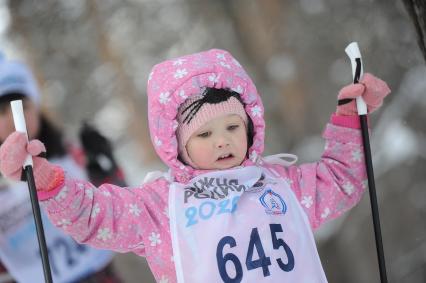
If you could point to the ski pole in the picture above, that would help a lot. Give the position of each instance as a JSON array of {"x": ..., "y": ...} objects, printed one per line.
[
  {"x": 20, "y": 126},
  {"x": 354, "y": 54}
]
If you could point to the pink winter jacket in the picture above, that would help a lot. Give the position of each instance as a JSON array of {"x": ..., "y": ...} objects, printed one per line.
[{"x": 136, "y": 219}]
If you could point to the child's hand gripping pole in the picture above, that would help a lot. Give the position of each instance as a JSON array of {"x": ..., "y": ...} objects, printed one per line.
[
  {"x": 352, "y": 51},
  {"x": 20, "y": 126}
]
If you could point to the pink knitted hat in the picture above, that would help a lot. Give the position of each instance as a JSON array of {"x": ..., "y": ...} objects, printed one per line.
[{"x": 188, "y": 123}]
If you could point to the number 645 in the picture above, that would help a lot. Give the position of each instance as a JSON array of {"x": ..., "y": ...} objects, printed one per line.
[{"x": 255, "y": 243}]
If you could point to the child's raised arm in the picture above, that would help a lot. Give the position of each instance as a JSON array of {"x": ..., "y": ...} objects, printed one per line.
[
  {"x": 107, "y": 217},
  {"x": 111, "y": 217},
  {"x": 333, "y": 185}
]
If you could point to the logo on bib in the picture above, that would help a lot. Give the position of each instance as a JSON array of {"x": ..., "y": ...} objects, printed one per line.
[{"x": 273, "y": 202}]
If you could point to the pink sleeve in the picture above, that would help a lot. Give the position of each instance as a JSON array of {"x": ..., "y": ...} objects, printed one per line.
[
  {"x": 334, "y": 184},
  {"x": 111, "y": 217}
]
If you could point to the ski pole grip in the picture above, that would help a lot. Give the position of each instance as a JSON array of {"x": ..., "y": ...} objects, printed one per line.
[
  {"x": 354, "y": 54},
  {"x": 20, "y": 125}
]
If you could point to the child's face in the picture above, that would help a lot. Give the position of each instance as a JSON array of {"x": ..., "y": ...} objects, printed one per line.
[{"x": 219, "y": 144}]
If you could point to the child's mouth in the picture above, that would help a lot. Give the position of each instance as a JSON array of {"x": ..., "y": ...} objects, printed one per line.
[{"x": 225, "y": 157}]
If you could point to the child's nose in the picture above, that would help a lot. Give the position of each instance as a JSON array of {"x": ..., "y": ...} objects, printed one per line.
[{"x": 222, "y": 142}]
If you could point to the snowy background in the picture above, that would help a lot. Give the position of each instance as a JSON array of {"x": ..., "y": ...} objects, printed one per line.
[{"x": 92, "y": 60}]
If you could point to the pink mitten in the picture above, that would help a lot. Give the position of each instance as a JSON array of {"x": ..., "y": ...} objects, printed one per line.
[
  {"x": 13, "y": 153},
  {"x": 372, "y": 89}
]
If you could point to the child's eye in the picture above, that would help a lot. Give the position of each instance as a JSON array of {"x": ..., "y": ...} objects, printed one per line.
[
  {"x": 204, "y": 134},
  {"x": 233, "y": 127}
]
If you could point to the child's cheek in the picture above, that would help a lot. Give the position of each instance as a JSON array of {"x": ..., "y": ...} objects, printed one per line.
[
  {"x": 200, "y": 153},
  {"x": 204, "y": 153}
]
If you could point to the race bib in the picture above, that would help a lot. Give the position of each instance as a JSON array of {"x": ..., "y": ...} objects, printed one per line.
[{"x": 241, "y": 225}]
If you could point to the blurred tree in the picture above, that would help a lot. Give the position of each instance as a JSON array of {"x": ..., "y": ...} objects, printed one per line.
[
  {"x": 417, "y": 11},
  {"x": 138, "y": 124}
]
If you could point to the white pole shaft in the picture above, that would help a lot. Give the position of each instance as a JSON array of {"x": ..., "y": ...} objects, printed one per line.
[
  {"x": 352, "y": 51},
  {"x": 20, "y": 125}
]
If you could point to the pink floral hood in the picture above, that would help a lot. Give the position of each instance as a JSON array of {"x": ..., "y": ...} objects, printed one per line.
[{"x": 171, "y": 82}]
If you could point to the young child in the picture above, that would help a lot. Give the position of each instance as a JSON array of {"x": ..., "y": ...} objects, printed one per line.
[
  {"x": 19, "y": 252},
  {"x": 223, "y": 212}
]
